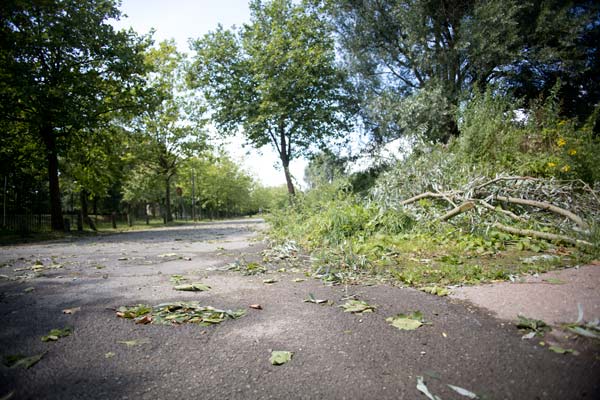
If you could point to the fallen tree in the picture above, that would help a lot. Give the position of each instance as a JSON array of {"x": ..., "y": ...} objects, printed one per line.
[{"x": 548, "y": 209}]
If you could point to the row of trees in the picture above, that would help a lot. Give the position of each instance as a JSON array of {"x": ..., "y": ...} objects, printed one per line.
[{"x": 107, "y": 111}]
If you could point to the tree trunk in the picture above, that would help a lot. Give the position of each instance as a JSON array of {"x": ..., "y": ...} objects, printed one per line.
[
  {"x": 168, "y": 216},
  {"x": 83, "y": 199},
  {"x": 284, "y": 154},
  {"x": 56, "y": 216},
  {"x": 288, "y": 180}
]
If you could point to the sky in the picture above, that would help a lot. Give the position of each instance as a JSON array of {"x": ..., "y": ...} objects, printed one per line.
[{"x": 185, "y": 19}]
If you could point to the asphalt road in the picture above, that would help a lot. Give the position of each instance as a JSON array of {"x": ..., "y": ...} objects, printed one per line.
[{"x": 337, "y": 355}]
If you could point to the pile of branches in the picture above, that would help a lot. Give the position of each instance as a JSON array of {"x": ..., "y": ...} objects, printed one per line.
[{"x": 543, "y": 208}]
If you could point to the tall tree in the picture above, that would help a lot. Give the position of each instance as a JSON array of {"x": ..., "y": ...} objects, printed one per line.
[
  {"x": 414, "y": 58},
  {"x": 173, "y": 129},
  {"x": 62, "y": 68},
  {"x": 275, "y": 79}
]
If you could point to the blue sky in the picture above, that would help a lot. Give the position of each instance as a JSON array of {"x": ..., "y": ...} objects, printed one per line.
[{"x": 185, "y": 19}]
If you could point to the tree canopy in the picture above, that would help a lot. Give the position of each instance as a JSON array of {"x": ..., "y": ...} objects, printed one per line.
[
  {"x": 63, "y": 68},
  {"x": 275, "y": 79},
  {"x": 415, "y": 60}
]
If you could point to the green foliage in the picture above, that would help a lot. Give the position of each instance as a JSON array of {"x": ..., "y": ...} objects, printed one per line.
[
  {"x": 275, "y": 78},
  {"x": 63, "y": 70},
  {"x": 415, "y": 59},
  {"x": 544, "y": 144}
]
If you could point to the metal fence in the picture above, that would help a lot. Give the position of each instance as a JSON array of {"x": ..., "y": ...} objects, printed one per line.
[{"x": 42, "y": 222}]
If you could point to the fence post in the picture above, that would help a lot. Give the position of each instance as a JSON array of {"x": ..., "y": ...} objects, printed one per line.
[{"x": 113, "y": 218}]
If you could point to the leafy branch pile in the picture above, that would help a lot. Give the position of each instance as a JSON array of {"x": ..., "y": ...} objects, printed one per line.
[
  {"x": 543, "y": 208},
  {"x": 177, "y": 313}
]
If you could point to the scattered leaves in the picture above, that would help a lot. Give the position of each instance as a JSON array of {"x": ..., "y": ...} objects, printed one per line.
[
  {"x": 177, "y": 279},
  {"x": 534, "y": 325},
  {"x": 134, "y": 342},
  {"x": 560, "y": 350},
  {"x": 270, "y": 280},
  {"x": 554, "y": 281},
  {"x": 133, "y": 312},
  {"x": 71, "y": 310},
  {"x": 463, "y": 392},
  {"x": 297, "y": 280},
  {"x": 166, "y": 255},
  {"x": 177, "y": 313},
  {"x": 21, "y": 361},
  {"x": 256, "y": 306},
  {"x": 250, "y": 268},
  {"x": 421, "y": 387},
  {"x": 56, "y": 334},
  {"x": 110, "y": 354},
  {"x": 29, "y": 289},
  {"x": 312, "y": 299},
  {"x": 436, "y": 290},
  {"x": 357, "y": 307},
  {"x": 407, "y": 322},
  {"x": 193, "y": 287},
  {"x": 8, "y": 395},
  {"x": 280, "y": 357}
]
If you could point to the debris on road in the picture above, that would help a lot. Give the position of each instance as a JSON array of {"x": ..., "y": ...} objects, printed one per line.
[
  {"x": 407, "y": 322},
  {"x": 280, "y": 357},
  {"x": 56, "y": 334},
  {"x": 357, "y": 307},
  {"x": 177, "y": 313}
]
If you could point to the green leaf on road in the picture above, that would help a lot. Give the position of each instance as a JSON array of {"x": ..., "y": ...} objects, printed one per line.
[
  {"x": 110, "y": 354},
  {"x": 554, "y": 281},
  {"x": 436, "y": 290},
  {"x": 132, "y": 312},
  {"x": 134, "y": 342},
  {"x": 177, "y": 279},
  {"x": 56, "y": 334},
  {"x": 560, "y": 350},
  {"x": 193, "y": 287},
  {"x": 21, "y": 361},
  {"x": 280, "y": 357},
  {"x": 312, "y": 299},
  {"x": 463, "y": 392},
  {"x": 421, "y": 387},
  {"x": 357, "y": 307},
  {"x": 534, "y": 325},
  {"x": 407, "y": 322},
  {"x": 177, "y": 313}
]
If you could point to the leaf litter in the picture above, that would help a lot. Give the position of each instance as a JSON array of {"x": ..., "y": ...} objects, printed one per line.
[
  {"x": 56, "y": 334},
  {"x": 311, "y": 299},
  {"x": 279, "y": 357},
  {"x": 245, "y": 268},
  {"x": 133, "y": 342},
  {"x": 529, "y": 325},
  {"x": 407, "y": 322},
  {"x": 193, "y": 287},
  {"x": 422, "y": 387},
  {"x": 21, "y": 361},
  {"x": 436, "y": 290},
  {"x": 177, "y": 313},
  {"x": 357, "y": 307}
]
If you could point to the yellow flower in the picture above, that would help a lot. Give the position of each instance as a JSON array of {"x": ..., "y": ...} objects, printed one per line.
[
  {"x": 551, "y": 164},
  {"x": 572, "y": 152},
  {"x": 566, "y": 168},
  {"x": 561, "y": 142}
]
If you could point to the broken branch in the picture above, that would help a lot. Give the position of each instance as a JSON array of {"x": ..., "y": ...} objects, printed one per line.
[
  {"x": 546, "y": 206},
  {"x": 457, "y": 210},
  {"x": 541, "y": 235}
]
